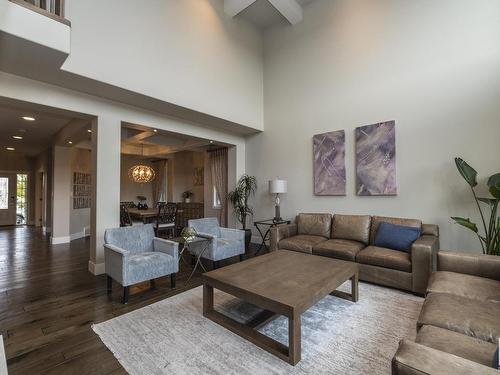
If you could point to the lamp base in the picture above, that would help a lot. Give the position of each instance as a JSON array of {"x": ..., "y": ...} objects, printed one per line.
[{"x": 277, "y": 216}]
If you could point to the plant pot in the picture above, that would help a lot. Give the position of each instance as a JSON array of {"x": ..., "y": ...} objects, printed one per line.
[
  {"x": 187, "y": 200},
  {"x": 248, "y": 237}
]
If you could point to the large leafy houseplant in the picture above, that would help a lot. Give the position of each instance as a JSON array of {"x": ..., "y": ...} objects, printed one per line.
[
  {"x": 488, "y": 209},
  {"x": 246, "y": 187}
]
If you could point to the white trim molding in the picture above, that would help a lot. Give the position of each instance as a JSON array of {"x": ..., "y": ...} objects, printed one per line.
[
  {"x": 96, "y": 268},
  {"x": 3, "y": 361},
  {"x": 78, "y": 235},
  {"x": 59, "y": 240}
]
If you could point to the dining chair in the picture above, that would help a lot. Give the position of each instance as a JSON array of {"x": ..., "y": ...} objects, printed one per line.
[
  {"x": 165, "y": 222},
  {"x": 125, "y": 218}
]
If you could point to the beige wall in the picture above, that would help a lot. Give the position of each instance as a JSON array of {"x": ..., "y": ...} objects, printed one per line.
[
  {"x": 433, "y": 67},
  {"x": 182, "y": 166},
  {"x": 197, "y": 56}
]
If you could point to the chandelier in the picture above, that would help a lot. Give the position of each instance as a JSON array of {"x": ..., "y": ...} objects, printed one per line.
[{"x": 141, "y": 173}]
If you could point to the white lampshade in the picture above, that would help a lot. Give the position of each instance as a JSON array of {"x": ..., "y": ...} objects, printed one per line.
[{"x": 277, "y": 186}]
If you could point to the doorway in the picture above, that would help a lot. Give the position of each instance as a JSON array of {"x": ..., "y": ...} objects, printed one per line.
[{"x": 8, "y": 199}]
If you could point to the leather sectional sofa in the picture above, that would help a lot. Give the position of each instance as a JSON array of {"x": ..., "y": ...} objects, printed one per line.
[
  {"x": 459, "y": 326},
  {"x": 351, "y": 237}
]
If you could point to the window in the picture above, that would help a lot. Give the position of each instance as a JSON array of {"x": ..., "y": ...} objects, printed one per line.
[
  {"x": 4, "y": 193},
  {"x": 215, "y": 198}
]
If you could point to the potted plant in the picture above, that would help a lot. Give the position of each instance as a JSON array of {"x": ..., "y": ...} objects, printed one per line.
[
  {"x": 246, "y": 186},
  {"x": 187, "y": 196},
  {"x": 490, "y": 238}
]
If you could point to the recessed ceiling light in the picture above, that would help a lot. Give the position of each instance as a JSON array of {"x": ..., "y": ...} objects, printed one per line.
[
  {"x": 89, "y": 130},
  {"x": 10, "y": 148},
  {"x": 17, "y": 137},
  {"x": 155, "y": 130},
  {"x": 211, "y": 141},
  {"x": 70, "y": 143},
  {"x": 28, "y": 118}
]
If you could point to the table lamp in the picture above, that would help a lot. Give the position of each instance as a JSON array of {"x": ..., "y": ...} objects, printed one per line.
[{"x": 277, "y": 187}]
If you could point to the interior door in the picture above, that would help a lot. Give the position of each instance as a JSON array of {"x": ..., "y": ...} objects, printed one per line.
[{"x": 8, "y": 199}]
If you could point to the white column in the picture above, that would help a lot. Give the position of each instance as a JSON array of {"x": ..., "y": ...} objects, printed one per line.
[
  {"x": 106, "y": 139},
  {"x": 61, "y": 195}
]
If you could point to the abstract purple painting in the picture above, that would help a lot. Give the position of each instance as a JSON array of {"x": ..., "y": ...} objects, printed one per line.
[
  {"x": 329, "y": 163},
  {"x": 376, "y": 159}
]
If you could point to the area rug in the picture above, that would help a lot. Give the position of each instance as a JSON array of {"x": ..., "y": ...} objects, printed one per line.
[{"x": 338, "y": 336}]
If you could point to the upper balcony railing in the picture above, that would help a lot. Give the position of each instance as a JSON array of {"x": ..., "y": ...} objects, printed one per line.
[{"x": 50, "y": 8}]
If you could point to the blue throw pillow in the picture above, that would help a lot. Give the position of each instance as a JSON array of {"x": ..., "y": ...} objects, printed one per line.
[
  {"x": 396, "y": 237},
  {"x": 496, "y": 364}
]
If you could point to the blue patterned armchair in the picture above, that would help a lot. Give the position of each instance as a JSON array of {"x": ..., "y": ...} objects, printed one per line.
[
  {"x": 225, "y": 242},
  {"x": 133, "y": 255}
]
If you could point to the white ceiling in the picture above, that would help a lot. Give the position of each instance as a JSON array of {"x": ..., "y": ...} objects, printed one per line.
[
  {"x": 37, "y": 135},
  {"x": 264, "y": 15}
]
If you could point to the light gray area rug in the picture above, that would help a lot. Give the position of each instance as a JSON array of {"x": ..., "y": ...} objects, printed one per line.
[{"x": 338, "y": 336}]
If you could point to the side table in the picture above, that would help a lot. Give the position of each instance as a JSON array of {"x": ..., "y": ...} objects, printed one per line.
[
  {"x": 203, "y": 246},
  {"x": 264, "y": 229}
]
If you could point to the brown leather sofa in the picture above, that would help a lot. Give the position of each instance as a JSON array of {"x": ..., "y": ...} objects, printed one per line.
[
  {"x": 459, "y": 326},
  {"x": 351, "y": 237}
]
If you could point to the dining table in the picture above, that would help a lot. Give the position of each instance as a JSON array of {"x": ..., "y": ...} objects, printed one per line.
[{"x": 146, "y": 216}]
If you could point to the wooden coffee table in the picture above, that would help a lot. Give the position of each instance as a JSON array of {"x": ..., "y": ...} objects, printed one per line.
[{"x": 282, "y": 283}]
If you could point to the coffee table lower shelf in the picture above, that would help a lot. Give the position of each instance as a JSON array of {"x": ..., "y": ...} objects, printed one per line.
[{"x": 249, "y": 331}]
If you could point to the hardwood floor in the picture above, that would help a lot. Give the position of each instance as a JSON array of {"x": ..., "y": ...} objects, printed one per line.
[{"x": 49, "y": 300}]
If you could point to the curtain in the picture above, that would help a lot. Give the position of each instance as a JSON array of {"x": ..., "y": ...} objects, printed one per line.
[
  {"x": 160, "y": 181},
  {"x": 218, "y": 166}
]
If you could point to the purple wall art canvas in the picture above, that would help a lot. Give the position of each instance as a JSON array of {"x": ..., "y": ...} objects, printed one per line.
[
  {"x": 376, "y": 159},
  {"x": 329, "y": 163}
]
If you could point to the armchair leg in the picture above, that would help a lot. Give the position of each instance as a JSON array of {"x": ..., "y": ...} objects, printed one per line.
[
  {"x": 241, "y": 257},
  {"x": 152, "y": 284},
  {"x": 216, "y": 264},
  {"x": 109, "y": 281},
  {"x": 125, "y": 294},
  {"x": 172, "y": 281}
]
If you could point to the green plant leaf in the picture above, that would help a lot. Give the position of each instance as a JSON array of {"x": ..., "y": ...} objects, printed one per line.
[
  {"x": 468, "y": 173},
  {"x": 488, "y": 201},
  {"x": 465, "y": 223},
  {"x": 494, "y": 185}
]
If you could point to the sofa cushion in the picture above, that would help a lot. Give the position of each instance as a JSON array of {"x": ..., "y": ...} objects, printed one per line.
[
  {"x": 463, "y": 315},
  {"x": 337, "y": 248},
  {"x": 314, "y": 224},
  {"x": 302, "y": 242},
  {"x": 382, "y": 257},
  {"x": 351, "y": 227},
  {"x": 396, "y": 237},
  {"x": 464, "y": 285},
  {"x": 376, "y": 220},
  {"x": 458, "y": 344}
]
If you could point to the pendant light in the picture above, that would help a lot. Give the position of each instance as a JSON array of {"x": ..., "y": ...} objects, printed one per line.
[{"x": 140, "y": 173}]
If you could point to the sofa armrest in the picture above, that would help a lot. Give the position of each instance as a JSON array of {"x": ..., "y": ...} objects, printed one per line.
[
  {"x": 168, "y": 247},
  {"x": 281, "y": 232},
  {"x": 115, "y": 263},
  {"x": 206, "y": 235},
  {"x": 423, "y": 261},
  {"x": 416, "y": 359},
  {"x": 482, "y": 265},
  {"x": 232, "y": 234}
]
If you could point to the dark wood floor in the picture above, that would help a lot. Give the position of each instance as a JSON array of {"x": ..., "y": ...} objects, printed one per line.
[{"x": 49, "y": 300}]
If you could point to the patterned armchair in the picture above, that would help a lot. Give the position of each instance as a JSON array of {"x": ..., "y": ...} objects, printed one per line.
[
  {"x": 225, "y": 242},
  {"x": 133, "y": 255}
]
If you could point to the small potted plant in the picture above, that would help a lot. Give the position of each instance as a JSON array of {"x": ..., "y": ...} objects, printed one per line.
[
  {"x": 187, "y": 196},
  {"x": 247, "y": 186}
]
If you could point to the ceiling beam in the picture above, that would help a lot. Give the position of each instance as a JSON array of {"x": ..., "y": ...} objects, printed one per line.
[
  {"x": 290, "y": 9},
  {"x": 140, "y": 137},
  {"x": 233, "y": 7}
]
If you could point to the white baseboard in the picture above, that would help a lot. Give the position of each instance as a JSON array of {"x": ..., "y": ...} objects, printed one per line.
[
  {"x": 59, "y": 240},
  {"x": 76, "y": 236},
  {"x": 96, "y": 268}
]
